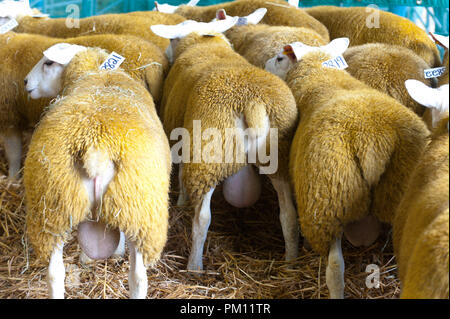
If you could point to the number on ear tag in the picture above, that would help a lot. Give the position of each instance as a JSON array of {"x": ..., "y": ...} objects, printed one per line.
[{"x": 113, "y": 61}]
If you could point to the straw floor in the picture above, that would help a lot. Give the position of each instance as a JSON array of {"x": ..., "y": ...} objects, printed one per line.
[{"x": 243, "y": 258}]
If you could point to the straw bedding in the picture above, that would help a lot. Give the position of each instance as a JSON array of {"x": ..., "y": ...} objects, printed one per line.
[{"x": 243, "y": 258}]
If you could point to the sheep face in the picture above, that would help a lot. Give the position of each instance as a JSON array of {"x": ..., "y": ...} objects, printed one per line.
[
  {"x": 434, "y": 98},
  {"x": 280, "y": 64},
  {"x": 294, "y": 52},
  {"x": 45, "y": 79}
]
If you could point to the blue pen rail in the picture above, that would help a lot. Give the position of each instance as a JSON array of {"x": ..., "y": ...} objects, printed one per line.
[{"x": 433, "y": 15}]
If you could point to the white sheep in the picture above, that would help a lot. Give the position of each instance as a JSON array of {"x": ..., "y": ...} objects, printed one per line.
[
  {"x": 351, "y": 155},
  {"x": 99, "y": 160}
]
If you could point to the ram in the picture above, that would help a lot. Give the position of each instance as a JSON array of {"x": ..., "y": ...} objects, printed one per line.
[
  {"x": 259, "y": 42},
  {"x": 99, "y": 161},
  {"x": 137, "y": 24},
  {"x": 351, "y": 155}
]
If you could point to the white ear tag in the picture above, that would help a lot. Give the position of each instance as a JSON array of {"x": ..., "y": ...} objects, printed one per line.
[
  {"x": 336, "y": 63},
  {"x": 40, "y": 15},
  {"x": 433, "y": 73},
  {"x": 8, "y": 26},
  {"x": 112, "y": 62}
]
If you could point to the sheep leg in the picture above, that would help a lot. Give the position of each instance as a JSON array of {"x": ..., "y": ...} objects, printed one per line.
[
  {"x": 182, "y": 197},
  {"x": 13, "y": 151},
  {"x": 200, "y": 226},
  {"x": 288, "y": 218},
  {"x": 137, "y": 276},
  {"x": 56, "y": 273},
  {"x": 120, "y": 250},
  {"x": 335, "y": 270}
]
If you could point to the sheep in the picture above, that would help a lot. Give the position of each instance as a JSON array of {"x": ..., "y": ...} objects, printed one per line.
[
  {"x": 421, "y": 225},
  {"x": 259, "y": 42},
  {"x": 136, "y": 24},
  {"x": 20, "y": 52},
  {"x": 352, "y": 151},
  {"x": 368, "y": 25},
  {"x": 386, "y": 67},
  {"x": 279, "y": 13},
  {"x": 99, "y": 160},
  {"x": 211, "y": 83}
]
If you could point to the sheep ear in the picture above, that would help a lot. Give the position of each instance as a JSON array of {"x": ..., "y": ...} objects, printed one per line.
[
  {"x": 166, "y": 31},
  {"x": 165, "y": 8},
  {"x": 256, "y": 16},
  {"x": 192, "y": 3},
  {"x": 293, "y": 3},
  {"x": 221, "y": 26},
  {"x": 288, "y": 50},
  {"x": 221, "y": 14},
  {"x": 423, "y": 94},
  {"x": 63, "y": 53},
  {"x": 337, "y": 46},
  {"x": 440, "y": 40}
]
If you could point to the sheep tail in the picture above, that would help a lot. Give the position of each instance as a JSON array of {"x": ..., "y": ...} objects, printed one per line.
[
  {"x": 100, "y": 170},
  {"x": 256, "y": 118}
]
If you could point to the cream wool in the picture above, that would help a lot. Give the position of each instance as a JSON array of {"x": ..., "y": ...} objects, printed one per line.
[
  {"x": 390, "y": 29},
  {"x": 279, "y": 13},
  {"x": 258, "y": 43},
  {"x": 352, "y": 152},
  {"x": 386, "y": 67}
]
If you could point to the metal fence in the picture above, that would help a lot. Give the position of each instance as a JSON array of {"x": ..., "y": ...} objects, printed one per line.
[{"x": 432, "y": 15}]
